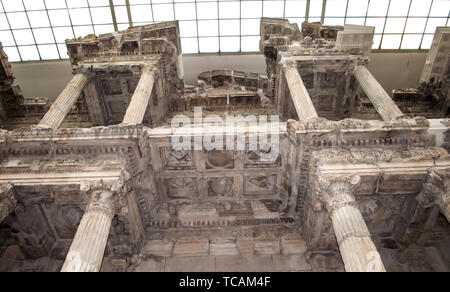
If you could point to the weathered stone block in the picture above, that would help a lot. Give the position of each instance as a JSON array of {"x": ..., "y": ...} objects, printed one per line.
[
  {"x": 151, "y": 265},
  {"x": 245, "y": 246},
  {"x": 191, "y": 247},
  {"x": 293, "y": 244},
  {"x": 158, "y": 248},
  {"x": 223, "y": 247},
  {"x": 256, "y": 263},
  {"x": 190, "y": 264},
  {"x": 290, "y": 263},
  {"x": 267, "y": 247}
]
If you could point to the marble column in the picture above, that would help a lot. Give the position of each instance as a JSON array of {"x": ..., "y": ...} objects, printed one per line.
[
  {"x": 382, "y": 102},
  {"x": 63, "y": 104},
  {"x": 88, "y": 247},
  {"x": 358, "y": 251},
  {"x": 300, "y": 97},
  {"x": 141, "y": 97},
  {"x": 436, "y": 191},
  {"x": 7, "y": 201}
]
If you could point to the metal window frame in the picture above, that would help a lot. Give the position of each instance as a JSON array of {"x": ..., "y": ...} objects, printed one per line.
[{"x": 219, "y": 35}]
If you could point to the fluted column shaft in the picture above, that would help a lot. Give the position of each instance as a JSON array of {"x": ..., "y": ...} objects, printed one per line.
[
  {"x": 88, "y": 247},
  {"x": 300, "y": 97},
  {"x": 141, "y": 97},
  {"x": 358, "y": 251},
  {"x": 62, "y": 105},
  {"x": 382, "y": 102},
  {"x": 7, "y": 201}
]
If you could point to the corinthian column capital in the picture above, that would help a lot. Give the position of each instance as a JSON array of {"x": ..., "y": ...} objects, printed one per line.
[
  {"x": 106, "y": 196},
  {"x": 337, "y": 191}
]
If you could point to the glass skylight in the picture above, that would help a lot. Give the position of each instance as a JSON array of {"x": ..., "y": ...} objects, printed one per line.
[{"x": 33, "y": 30}]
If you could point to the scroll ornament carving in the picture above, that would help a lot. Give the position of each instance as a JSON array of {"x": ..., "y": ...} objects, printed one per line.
[{"x": 337, "y": 191}]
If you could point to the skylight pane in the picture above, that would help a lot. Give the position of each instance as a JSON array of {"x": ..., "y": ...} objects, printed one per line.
[
  {"x": 229, "y": 9},
  {"x": 59, "y": 17},
  {"x": 251, "y": 9},
  {"x": 43, "y": 36},
  {"x": 62, "y": 48},
  {"x": 121, "y": 14},
  {"x": 411, "y": 41},
  {"x": 38, "y": 19},
  {"x": 94, "y": 3},
  {"x": 440, "y": 8},
  {"x": 250, "y": 27},
  {"x": 207, "y": 10},
  {"x": 230, "y": 44},
  {"x": 376, "y": 41},
  {"x": 185, "y": 11},
  {"x": 355, "y": 20},
  {"x": 34, "y": 4},
  {"x": 357, "y": 8},
  {"x": 336, "y": 8},
  {"x": 415, "y": 25},
  {"x": 395, "y": 25},
  {"x": 77, "y": 3},
  {"x": 399, "y": 8},
  {"x": 3, "y": 22},
  {"x": 378, "y": 23},
  {"x": 229, "y": 27},
  {"x": 18, "y": 20},
  {"x": 315, "y": 9},
  {"x": 13, "y": 5},
  {"x": 141, "y": 13},
  {"x": 132, "y": 2},
  {"x": 188, "y": 28},
  {"x": 296, "y": 8},
  {"x": 391, "y": 41},
  {"x": 55, "y": 4},
  {"x": 12, "y": 53},
  {"x": 420, "y": 7},
  {"x": 163, "y": 12},
  {"x": 63, "y": 33},
  {"x": 433, "y": 23},
  {"x": 189, "y": 45},
  {"x": 209, "y": 45},
  {"x": 7, "y": 38},
  {"x": 104, "y": 28},
  {"x": 208, "y": 28},
  {"x": 23, "y": 37},
  {"x": 82, "y": 31},
  {"x": 101, "y": 15},
  {"x": 48, "y": 52},
  {"x": 378, "y": 8},
  {"x": 29, "y": 53},
  {"x": 80, "y": 16},
  {"x": 273, "y": 8},
  {"x": 427, "y": 41},
  {"x": 250, "y": 43}
]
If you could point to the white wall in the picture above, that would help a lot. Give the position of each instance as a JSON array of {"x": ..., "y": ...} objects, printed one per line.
[{"x": 392, "y": 69}]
